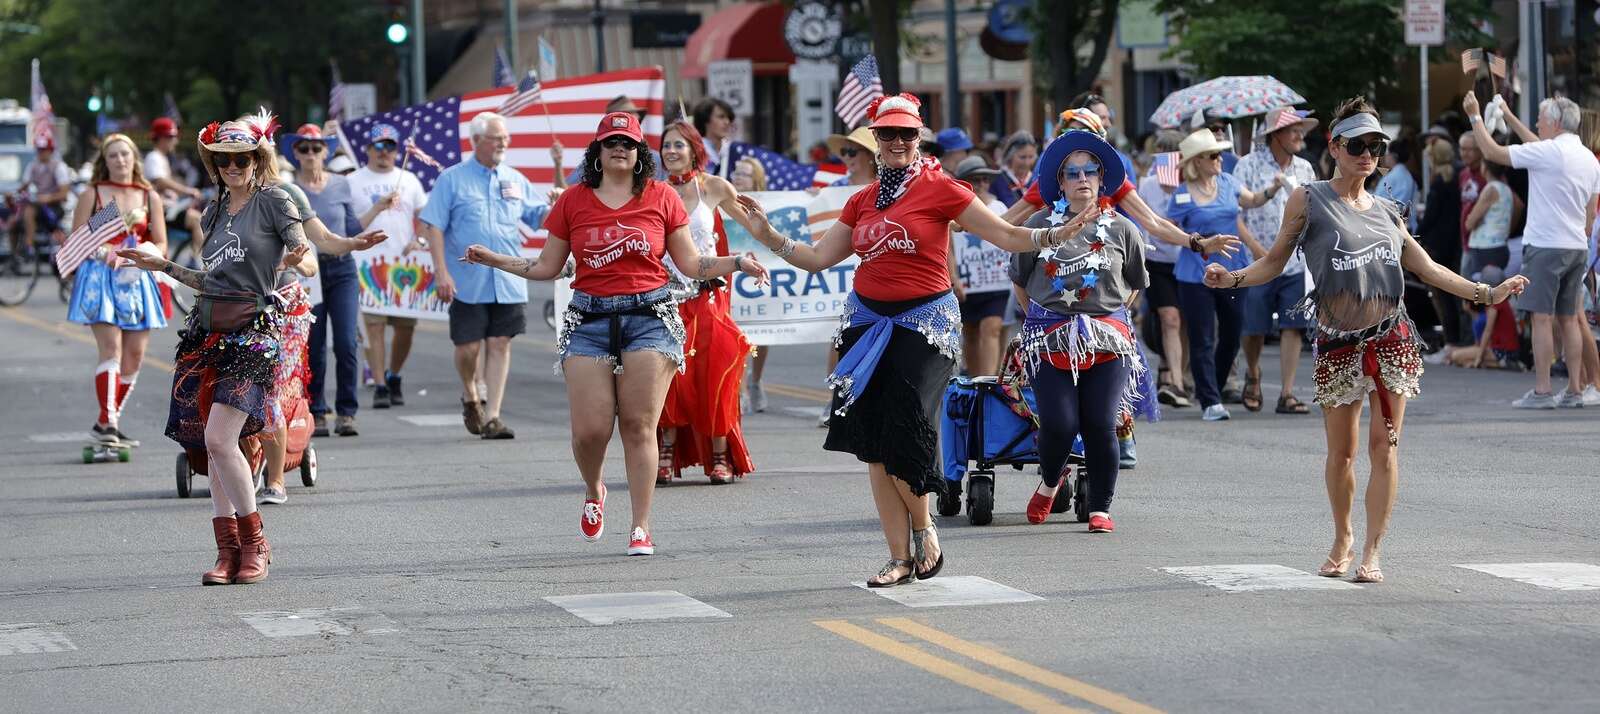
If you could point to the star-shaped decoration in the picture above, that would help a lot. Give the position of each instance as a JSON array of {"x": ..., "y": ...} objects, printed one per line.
[
  {"x": 1097, "y": 246},
  {"x": 1057, "y": 219},
  {"x": 1083, "y": 294},
  {"x": 1061, "y": 205},
  {"x": 1070, "y": 296},
  {"x": 1048, "y": 254},
  {"x": 1095, "y": 261},
  {"x": 1050, "y": 269},
  {"x": 1090, "y": 280},
  {"x": 1101, "y": 232}
]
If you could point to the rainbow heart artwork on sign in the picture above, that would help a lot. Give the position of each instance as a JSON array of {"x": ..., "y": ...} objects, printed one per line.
[{"x": 400, "y": 286}]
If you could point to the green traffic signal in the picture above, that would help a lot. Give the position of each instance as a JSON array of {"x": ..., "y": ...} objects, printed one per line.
[
  {"x": 397, "y": 33},
  {"x": 94, "y": 103}
]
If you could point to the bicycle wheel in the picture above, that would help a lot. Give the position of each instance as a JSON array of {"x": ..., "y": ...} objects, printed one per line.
[
  {"x": 22, "y": 273},
  {"x": 182, "y": 295}
]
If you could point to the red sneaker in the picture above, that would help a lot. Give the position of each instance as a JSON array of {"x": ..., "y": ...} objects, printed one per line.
[
  {"x": 1101, "y": 523},
  {"x": 594, "y": 516},
  {"x": 1039, "y": 506},
  {"x": 639, "y": 543}
]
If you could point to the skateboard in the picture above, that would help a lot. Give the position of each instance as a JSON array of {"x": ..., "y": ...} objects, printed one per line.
[{"x": 97, "y": 451}]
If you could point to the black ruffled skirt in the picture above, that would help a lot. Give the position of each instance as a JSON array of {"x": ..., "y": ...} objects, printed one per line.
[{"x": 895, "y": 422}]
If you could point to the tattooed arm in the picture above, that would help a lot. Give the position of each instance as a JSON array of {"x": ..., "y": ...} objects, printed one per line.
[
  {"x": 705, "y": 267},
  {"x": 549, "y": 265},
  {"x": 188, "y": 276}
]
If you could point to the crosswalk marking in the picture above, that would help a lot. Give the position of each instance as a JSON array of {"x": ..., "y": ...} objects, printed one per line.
[
  {"x": 1552, "y": 576},
  {"x": 32, "y": 638},
  {"x": 611, "y": 608},
  {"x": 319, "y": 621},
  {"x": 432, "y": 419},
  {"x": 953, "y": 590},
  {"x": 1258, "y": 576},
  {"x": 59, "y": 437}
]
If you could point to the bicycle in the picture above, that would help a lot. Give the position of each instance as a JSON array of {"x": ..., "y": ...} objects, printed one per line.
[{"x": 26, "y": 262}]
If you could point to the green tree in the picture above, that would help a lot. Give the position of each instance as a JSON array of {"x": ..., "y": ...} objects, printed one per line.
[
  {"x": 1327, "y": 51},
  {"x": 1060, "y": 29}
]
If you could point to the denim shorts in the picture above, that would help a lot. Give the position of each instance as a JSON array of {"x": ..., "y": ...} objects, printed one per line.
[
  {"x": 659, "y": 332},
  {"x": 1280, "y": 296}
]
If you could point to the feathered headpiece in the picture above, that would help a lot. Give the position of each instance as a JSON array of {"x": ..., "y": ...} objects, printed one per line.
[{"x": 247, "y": 133}]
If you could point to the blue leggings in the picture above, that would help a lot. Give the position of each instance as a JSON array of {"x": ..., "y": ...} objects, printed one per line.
[{"x": 1088, "y": 407}]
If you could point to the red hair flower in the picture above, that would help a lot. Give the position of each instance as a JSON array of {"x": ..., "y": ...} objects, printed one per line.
[
  {"x": 208, "y": 135},
  {"x": 1105, "y": 203}
]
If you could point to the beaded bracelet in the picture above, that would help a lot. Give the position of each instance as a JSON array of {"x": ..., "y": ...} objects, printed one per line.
[{"x": 787, "y": 249}]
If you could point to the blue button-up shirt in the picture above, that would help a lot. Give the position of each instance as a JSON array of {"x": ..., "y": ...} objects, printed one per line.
[{"x": 472, "y": 203}]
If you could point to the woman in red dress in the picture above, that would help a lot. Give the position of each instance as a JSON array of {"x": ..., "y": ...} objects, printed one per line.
[{"x": 700, "y": 422}]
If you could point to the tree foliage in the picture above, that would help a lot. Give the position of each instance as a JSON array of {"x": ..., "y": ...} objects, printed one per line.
[
  {"x": 1327, "y": 51},
  {"x": 1060, "y": 28},
  {"x": 218, "y": 59}
]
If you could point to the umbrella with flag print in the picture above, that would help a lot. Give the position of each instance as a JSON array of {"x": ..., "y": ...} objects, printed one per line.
[{"x": 1225, "y": 98}]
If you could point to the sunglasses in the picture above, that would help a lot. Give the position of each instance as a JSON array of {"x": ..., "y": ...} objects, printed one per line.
[
  {"x": 384, "y": 146},
  {"x": 849, "y": 153},
  {"x": 612, "y": 142},
  {"x": 241, "y": 161},
  {"x": 888, "y": 134},
  {"x": 1357, "y": 147},
  {"x": 1081, "y": 173},
  {"x": 308, "y": 147},
  {"x": 1213, "y": 156}
]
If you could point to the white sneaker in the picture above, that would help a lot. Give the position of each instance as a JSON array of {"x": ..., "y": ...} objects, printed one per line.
[
  {"x": 1535, "y": 400},
  {"x": 1442, "y": 357},
  {"x": 273, "y": 495},
  {"x": 758, "y": 397},
  {"x": 1566, "y": 399},
  {"x": 1216, "y": 412},
  {"x": 1591, "y": 396}
]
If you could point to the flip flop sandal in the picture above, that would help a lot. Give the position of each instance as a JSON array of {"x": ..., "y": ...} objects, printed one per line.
[
  {"x": 1251, "y": 398},
  {"x": 1289, "y": 404}
]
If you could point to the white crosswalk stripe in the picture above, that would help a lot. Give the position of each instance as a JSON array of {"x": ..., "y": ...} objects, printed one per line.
[
  {"x": 319, "y": 621},
  {"x": 1551, "y": 576},
  {"x": 432, "y": 419},
  {"x": 953, "y": 590},
  {"x": 1258, "y": 576},
  {"x": 32, "y": 638},
  {"x": 612, "y": 608}
]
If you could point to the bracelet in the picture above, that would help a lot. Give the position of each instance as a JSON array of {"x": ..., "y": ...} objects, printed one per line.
[
  {"x": 1475, "y": 119},
  {"x": 787, "y": 248},
  {"x": 1481, "y": 293},
  {"x": 738, "y": 263},
  {"x": 1037, "y": 236},
  {"x": 1238, "y": 277},
  {"x": 1194, "y": 243}
]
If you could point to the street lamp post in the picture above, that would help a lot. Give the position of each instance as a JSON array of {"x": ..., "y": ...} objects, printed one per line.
[
  {"x": 952, "y": 76},
  {"x": 419, "y": 65},
  {"x": 599, "y": 18}
]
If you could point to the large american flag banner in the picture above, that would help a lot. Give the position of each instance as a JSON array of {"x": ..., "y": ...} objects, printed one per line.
[
  {"x": 102, "y": 227},
  {"x": 784, "y": 173},
  {"x": 442, "y": 127}
]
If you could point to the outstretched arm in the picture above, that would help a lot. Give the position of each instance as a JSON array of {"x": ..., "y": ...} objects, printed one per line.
[
  {"x": 821, "y": 254},
  {"x": 1271, "y": 266},
  {"x": 546, "y": 267},
  {"x": 705, "y": 267},
  {"x": 157, "y": 264},
  {"x": 979, "y": 220},
  {"x": 1416, "y": 260}
]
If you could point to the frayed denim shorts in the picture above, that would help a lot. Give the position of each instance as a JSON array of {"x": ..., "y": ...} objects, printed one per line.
[{"x": 607, "y": 327}]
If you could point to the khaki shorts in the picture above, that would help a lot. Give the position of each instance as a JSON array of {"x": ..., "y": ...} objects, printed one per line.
[{"x": 375, "y": 319}]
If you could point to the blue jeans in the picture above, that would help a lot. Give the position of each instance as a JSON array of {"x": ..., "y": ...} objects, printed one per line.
[
  {"x": 633, "y": 332},
  {"x": 1214, "y": 319},
  {"x": 340, "y": 297}
]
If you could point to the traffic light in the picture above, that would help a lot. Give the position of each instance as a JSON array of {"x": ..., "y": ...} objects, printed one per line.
[
  {"x": 94, "y": 104},
  {"x": 397, "y": 32}
]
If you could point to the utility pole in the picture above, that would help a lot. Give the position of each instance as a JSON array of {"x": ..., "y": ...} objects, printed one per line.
[
  {"x": 419, "y": 64},
  {"x": 952, "y": 64},
  {"x": 599, "y": 18},
  {"x": 511, "y": 36}
]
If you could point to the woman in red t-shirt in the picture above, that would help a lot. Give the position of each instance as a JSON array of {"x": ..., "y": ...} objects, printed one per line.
[
  {"x": 621, "y": 338},
  {"x": 902, "y": 327}
]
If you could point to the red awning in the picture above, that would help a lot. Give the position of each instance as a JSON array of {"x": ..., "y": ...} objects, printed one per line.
[{"x": 752, "y": 31}]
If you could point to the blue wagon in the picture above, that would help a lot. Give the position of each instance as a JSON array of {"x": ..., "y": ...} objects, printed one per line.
[{"x": 988, "y": 422}]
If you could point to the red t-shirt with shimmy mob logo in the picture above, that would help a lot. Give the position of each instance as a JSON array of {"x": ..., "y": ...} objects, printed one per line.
[
  {"x": 903, "y": 249},
  {"x": 619, "y": 250}
]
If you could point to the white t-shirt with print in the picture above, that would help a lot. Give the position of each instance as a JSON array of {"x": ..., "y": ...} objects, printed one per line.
[
  {"x": 398, "y": 221},
  {"x": 1563, "y": 178}
]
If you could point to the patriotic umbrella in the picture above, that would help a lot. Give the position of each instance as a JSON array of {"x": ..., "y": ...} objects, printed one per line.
[{"x": 1225, "y": 97}]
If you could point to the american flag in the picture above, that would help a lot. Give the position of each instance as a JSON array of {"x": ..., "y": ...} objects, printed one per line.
[
  {"x": 1497, "y": 66},
  {"x": 503, "y": 76},
  {"x": 441, "y": 127},
  {"x": 171, "y": 110},
  {"x": 1165, "y": 168},
  {"x": 784, "y": 173},
  {"x": 102, "y": 228},
  {"x": 1471, "y": 60},
  {"x": 44, "y": 118},
  {"x": 527, "y": 93},
  {"x": 415, "y": 152},
  {"x": 335, "y": 93},
  {"x": 861, "y": 86}
]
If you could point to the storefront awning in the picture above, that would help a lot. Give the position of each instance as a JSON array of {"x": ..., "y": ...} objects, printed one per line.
[{"x": 749, "y": 31}]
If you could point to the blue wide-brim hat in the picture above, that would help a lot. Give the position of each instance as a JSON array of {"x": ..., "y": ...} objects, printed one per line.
[
  {"x": 1057, "y": 152},
  {"x": 310, "y": 132}
]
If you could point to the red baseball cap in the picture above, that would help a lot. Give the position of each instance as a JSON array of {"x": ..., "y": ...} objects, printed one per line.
[
  {"x": 619, "y": 124},
  {"x": 163, "y": 127}
]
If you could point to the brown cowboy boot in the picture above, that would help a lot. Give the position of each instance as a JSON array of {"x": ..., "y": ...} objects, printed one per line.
[
  {"x": 227, "y": 532},
  {"x": 254, "y": 552}
]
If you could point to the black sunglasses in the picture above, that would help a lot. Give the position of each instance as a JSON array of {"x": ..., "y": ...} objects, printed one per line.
[
  {"x": 612, "y": 142},
  {"x": 308, "y": 147},
  {"x": 384, "y": 146},
  {"x": 241, "y": 161},
  {"x": 888, "y": 134},
  {"x": 848, "y": 153},
  {"x": 1357, "y": 147}
]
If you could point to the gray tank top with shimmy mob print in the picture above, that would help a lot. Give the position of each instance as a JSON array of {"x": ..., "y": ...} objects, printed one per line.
[{"x": 1354, "y": 258}]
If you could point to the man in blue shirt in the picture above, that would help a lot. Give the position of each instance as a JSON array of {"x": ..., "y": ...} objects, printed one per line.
[{"x": 481, "y": 200}]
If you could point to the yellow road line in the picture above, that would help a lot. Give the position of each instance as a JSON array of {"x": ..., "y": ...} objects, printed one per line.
[
  {"x": 1087, "y": 692},
  {"x": 72, "y": 332},
  {"x": 821, "y": 396},
  {"x": 1022, "y": 697}
]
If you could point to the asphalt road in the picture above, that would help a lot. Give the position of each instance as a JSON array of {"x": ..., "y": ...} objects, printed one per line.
[{"x": 431, "y": 571}]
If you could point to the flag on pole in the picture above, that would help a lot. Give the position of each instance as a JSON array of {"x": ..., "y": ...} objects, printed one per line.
[
  {"x": 335, "y": 93},
  {"x": 547, "y": 60},
  {"x": 1497, "y": 66},
  {"x": 503, "y": 75},
  {"x": 171, "y": 110},
  {"x": 1166, "y": 168},
  {"x": 861, "y": 86},
  {"x": 102, "y": 228},
  {"x": 526, "y": 95},
  {"x": 43, "y": 116},
  {"x": 1471, "y": 60},
  {"x": 415, "y": 152}
]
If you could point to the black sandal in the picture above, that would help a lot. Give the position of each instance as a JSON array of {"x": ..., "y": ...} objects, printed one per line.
[
  {"x": 1289, "y": 404},
  {"x": 1251, "y": 397},
  {"x": 919, "y": 540},
  {"x": 911, "y": 574}
]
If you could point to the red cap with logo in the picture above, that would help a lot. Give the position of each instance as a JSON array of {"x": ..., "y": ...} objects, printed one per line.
[
  {"x": 619, "y": 124},
  {"x": 163, "y": 127}
]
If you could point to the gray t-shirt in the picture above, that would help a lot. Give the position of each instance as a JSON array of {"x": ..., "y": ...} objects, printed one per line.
[
  {"x": 1354, "y": 258},
  {"x": 242, "y": 251},
  {"x": 1114, "y": 283}
]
